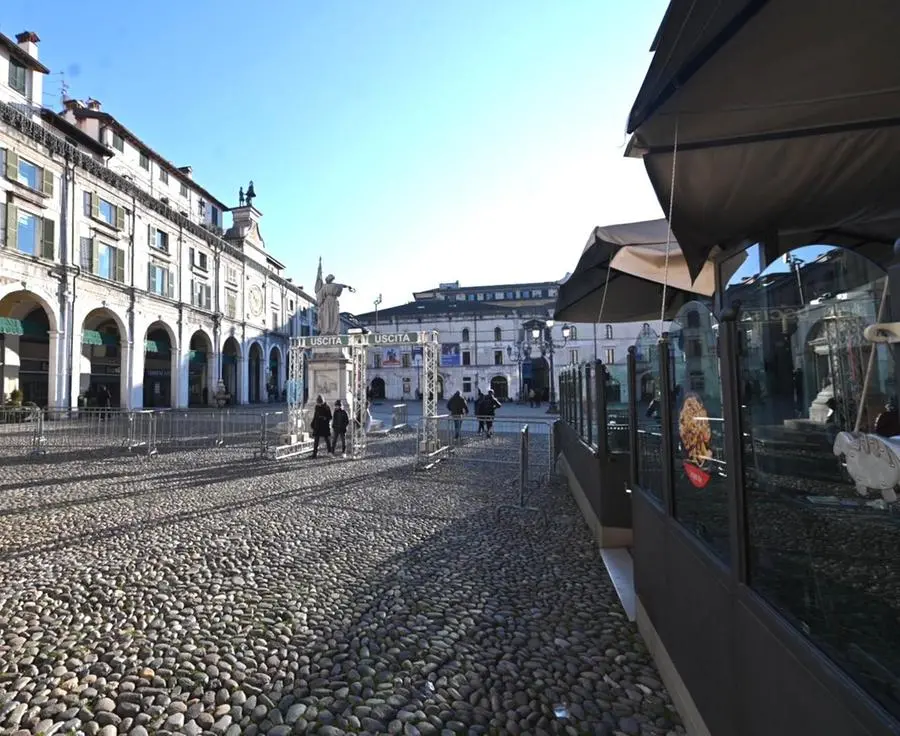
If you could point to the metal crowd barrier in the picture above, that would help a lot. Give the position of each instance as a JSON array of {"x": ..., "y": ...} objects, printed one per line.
[
  {"x": 202, "y": 428},
  {"x": 399, "y": 417},
  {"x": 434, "y": 441},
  {"x": 494, "y": 440},
  {"x": 275, "y": 434},
  {"x": 524, "y": 476},
  {"x": 56, "y": 431}
]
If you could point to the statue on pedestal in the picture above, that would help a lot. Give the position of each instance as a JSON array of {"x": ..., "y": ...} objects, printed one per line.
[{"x": 327, "y": 293}]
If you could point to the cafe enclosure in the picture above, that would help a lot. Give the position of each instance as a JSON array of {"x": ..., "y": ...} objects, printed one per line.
[{"x": 766, "y": 563}]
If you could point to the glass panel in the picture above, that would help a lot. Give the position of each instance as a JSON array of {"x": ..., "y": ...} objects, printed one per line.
[
  {"x": 617, "y": 407},
  {"x": 107, "y": 212},
  {"x": 27, "y": 234},
  {"x": 107, "y": 262},
  {"x": 824, "y": 554},
  {"x": 701, "y": 495},
  {"x": 649, "y": 440},
  {"x": 29, "y": 174}
]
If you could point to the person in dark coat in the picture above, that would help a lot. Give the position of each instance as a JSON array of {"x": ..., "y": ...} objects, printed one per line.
[
  {"x": 458, "y": 407},
  {"x": 479, "y": 405},
  {"x": 321, "y": 423},
  {"x": 339, "y": 423},
  {"x": 489, "y": 406}
]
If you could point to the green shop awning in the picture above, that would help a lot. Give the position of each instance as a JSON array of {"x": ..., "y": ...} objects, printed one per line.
[
  {"x": 154, "y": 346},
  {"x": 93, "y": 337},
  {"x": 12, "y": 326}
]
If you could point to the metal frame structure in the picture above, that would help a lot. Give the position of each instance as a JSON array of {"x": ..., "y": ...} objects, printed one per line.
[{"x": 358, "y": 346}]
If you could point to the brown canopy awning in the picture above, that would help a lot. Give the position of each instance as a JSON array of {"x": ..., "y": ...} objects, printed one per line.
[
  {"x": 788, "y": 122},
  {"x": 621, "y": 272}
]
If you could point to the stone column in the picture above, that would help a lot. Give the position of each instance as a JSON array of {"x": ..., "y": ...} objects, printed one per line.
[
  {"x": 55, "y": 368},
  {"x": 125, "y": 382},
  {"x": 184, "y": 356},
  {"x": 138, "y": 360},
  {"x": 244, "y": 375}
]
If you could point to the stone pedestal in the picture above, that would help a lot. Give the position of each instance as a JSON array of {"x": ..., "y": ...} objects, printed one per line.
[
  {"x": 819, "y": 410},
  {"x": 328, "y": 371}
]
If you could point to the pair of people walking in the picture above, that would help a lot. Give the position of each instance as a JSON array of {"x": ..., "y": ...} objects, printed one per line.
[
  {"x": 330, "y": 425},
  {"x": 486, "y": 406}
]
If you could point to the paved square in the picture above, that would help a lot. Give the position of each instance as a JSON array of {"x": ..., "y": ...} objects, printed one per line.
[{"x": 205, "y": 592}]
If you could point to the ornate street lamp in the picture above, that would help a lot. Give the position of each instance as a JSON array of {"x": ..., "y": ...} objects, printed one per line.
[
  {"x": 518, "y": 353},
  {"x": 544, "y": 341}
]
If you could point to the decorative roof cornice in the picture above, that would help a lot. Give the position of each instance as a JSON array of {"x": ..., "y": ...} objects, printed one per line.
[{"x": 56, "y": 145}]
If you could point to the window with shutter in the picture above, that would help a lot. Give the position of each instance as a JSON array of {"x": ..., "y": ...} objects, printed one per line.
[
  {"x": 12, "y": 166},
  {"x": 48, "y": 237},
  {"x": 151, "y": 278},
  {"x": 87, "y": 201},
  {"x": 47, "y": 182},
  {"x": 17, "y": 76},
  {"x": 120, "y": 265},
  {"x": 95, "y": 206},
  {"x": 2, "y": 225},
  {"x": 120, "y": 218},
  {"x": 191, "y": 256},
  {"x": 86, "y": 260},
  {"x": 170, "y": 284}
]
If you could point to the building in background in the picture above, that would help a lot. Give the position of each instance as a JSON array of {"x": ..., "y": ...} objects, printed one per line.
[
  {"x": 118, "y": 272},
  {"x": 485, "y": 334}
]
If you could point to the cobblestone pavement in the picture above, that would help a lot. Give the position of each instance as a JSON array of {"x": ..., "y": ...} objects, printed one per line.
[{"x": 204, "y": 592}]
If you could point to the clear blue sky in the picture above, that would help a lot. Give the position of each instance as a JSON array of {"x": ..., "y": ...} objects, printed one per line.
[{"x": 407, "y": 142}]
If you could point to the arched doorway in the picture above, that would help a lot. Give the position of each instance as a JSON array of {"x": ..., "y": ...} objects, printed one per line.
[
  {"x": 160, "y": 366},
  {"x": 537, "y": 377},
  {"x": 500, "y": 387},
  {"x": 255, "y": 368},
  {"x": 24, "y": 348},
  {"x": 273, "y": 377},
  {"x": 377, "y": 387},
  {"x": 101, "y": 359},
  {"x": 198, "y": 369},
  {"x": 231, "y": 369}
]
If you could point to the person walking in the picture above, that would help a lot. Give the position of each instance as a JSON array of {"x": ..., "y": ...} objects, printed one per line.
[
  {"x": 479, "y": 405},
  {"x": 321, "y": 426},
  {"x": 489, "y": 406},
  {"x": 340, "y": 420},
  {"x": 458, "y": 407}
]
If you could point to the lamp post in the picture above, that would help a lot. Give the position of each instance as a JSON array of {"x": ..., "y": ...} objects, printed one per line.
[
  {"x": 544, "y": 341},
  {"x": 517, "y": 354},
  {"x": 376, "y": 303}
]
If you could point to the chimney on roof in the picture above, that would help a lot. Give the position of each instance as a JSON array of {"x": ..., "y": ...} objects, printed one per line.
[
  {"x": 28, "y": 41},
  {"x": 72, "y": 104},
  {"x": 187, "y": 171},
  {"x": 93, "y": 104}
]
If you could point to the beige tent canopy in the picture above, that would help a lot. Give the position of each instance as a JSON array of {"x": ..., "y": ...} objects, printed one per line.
[{"x": 622, "y": 271}]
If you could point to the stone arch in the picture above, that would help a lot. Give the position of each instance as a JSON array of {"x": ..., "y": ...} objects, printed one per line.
[
  {"x": 161, "y": 361},
  {"x": 500, "y": 386},
  {"x": 29, "y": 343},
  {"x": 199, "y": 358},
  {"x": 232, "y": 368},
  {"x": 255, "y": 355},
  {"x": 378, "y": 388},
  {"x": 274, "y": 370},
  {"x": 103, "y": 359},
  {"x": 12, "y": 297}
]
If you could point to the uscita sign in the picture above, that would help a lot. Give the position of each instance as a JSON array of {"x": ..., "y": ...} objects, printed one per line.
[
  {"x": 381, "y": 338},
  {"x": 398, "y": 338}
]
